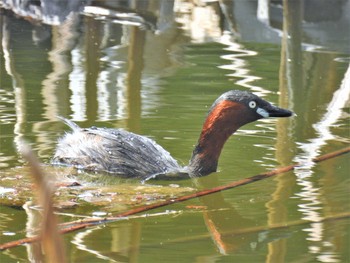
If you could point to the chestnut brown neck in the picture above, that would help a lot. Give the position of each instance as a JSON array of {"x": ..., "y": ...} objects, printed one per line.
[{"x": 222, "y": 121}]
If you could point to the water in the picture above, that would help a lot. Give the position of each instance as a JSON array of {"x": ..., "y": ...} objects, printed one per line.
[{"x": 156, "y": 74}]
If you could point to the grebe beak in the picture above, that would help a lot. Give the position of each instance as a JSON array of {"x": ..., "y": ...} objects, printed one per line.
[{"x": 273, "y": 111}]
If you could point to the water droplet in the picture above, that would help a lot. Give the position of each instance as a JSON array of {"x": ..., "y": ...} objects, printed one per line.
[
  {"x": 99, "y": 213},
  {"x": 6, "y": 233}
]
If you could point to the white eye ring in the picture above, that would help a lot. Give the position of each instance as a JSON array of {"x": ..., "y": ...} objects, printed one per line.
[{"x": 252, "y": 104}]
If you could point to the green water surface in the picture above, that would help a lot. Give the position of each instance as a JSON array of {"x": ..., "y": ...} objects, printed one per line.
[{"x": 161, "y": 85}]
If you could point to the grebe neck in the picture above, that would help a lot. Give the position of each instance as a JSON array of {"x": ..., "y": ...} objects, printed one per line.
[{"x": 223, "y": 120}]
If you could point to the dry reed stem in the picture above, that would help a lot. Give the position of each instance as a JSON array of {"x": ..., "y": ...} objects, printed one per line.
[{"x": 50, "y": 238}]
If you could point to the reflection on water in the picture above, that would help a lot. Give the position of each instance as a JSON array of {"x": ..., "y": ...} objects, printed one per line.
[
  {"x": 151, "y": 67},
  {"x": 238, "y": 65},
  {"x": 311, "y": 206}
]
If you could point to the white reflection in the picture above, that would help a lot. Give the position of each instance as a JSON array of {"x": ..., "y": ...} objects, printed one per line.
[
  {"x": 328, "y": 257},
  {"x": 17, "y": 83},
  {"x": 111, "y": 85},
  {"x": 65, "y": 36},
  {"x": 200, "y": 21},
  {"x": 238, "y": 64},
  {"x": 333, "y": 114},
  {"x": 79, "y": 240},
  {"x": 309, "y": 194},
  {"x": 263, "y": 12},
  {"x": 122, "y": 105},
  {"x": 34, "y": 250},
  {"x": 103, "y": 96},
  {"x": 77, "y": 82}
]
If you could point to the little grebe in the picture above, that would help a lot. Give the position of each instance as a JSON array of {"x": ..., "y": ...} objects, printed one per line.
[{"x": 124, "y": 153}]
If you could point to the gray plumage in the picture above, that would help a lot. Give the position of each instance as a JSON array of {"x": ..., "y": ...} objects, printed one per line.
[{"x": 114, "y": 151}]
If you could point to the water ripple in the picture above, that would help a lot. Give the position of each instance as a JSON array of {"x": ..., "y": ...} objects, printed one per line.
[{"x": 238, "y": 65}]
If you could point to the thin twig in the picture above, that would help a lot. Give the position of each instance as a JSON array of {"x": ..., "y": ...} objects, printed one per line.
[{"x": 77, "y": 225}]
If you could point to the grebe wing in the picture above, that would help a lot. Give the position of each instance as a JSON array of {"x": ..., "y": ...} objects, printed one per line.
[
  {"x": 114, "y": 151},
  {"x": 131, "y": 154}
]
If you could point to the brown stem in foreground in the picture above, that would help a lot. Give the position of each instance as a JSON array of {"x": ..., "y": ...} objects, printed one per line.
[
  {"x": 50, "y": 238},
  {"x": 76, "y": 225}
]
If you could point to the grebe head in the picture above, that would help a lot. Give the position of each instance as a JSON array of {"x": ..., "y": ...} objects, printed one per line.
[
  {"x": 249, "y": 103},
  {"x": 230, "y": 111}
]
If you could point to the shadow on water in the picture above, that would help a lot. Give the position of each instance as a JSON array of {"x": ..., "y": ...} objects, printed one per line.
[{"x": 154, "y": 67}]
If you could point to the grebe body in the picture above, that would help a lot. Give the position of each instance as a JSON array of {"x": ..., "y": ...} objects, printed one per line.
[{"x": 124, "y": 153}]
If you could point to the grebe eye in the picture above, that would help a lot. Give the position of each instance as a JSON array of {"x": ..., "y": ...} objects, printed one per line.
[{"x": 252, "y": 104}]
